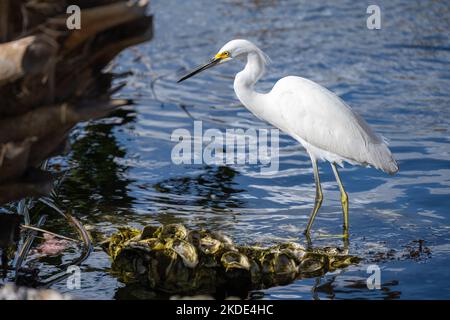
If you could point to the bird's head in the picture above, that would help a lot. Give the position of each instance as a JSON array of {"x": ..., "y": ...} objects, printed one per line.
[
  {"x": 234, "y": 49},
  {"x": 238, "y": 48}
]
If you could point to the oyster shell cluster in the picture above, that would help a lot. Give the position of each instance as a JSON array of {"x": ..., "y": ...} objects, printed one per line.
[{"x": 173, "y": 259}]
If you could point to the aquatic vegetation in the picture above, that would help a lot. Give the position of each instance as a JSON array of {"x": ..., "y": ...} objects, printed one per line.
[{"x": 175, "y": 260}]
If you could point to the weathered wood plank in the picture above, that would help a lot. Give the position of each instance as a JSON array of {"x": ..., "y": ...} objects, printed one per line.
[{"x": 51, "y": 79}]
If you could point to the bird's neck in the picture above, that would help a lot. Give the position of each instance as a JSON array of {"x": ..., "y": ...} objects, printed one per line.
[{"x": 245, "y": 81}]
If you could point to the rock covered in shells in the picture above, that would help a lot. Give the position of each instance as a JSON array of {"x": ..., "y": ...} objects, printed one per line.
[{"x": 173, "y": 259}]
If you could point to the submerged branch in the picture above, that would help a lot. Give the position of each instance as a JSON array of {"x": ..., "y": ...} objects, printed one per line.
[{"x": 48, "y": 232}]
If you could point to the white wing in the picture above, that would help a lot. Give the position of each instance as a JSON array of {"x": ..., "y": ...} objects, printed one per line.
[{"x": 327, "y": 127}]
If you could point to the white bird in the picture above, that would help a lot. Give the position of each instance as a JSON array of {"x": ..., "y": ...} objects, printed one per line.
[{"x": 317, "y": 118}]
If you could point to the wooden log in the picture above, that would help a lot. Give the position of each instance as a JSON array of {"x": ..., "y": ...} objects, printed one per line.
[
  {"x": 48, "y": 146},
  {"x": 100, "y": 18},
  {"x": 11, "y": 56},
  {"x": 46, "y": 58},
  {"x": 43, "y": 121},
  {"x": 30, "y": 55},
  {"x": 14, "y": 158},
  {"x": 34, "y": 183},
  {"x": 106, "y": 51},
  {"x": 34, "y": 90},
  {"x": 21, "y": 17}
]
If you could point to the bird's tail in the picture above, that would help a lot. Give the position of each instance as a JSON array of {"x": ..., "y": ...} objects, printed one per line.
[{"x": 380, "y": 157}]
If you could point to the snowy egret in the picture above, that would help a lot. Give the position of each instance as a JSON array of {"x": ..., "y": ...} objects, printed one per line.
[{"x": 324, "y": 124}]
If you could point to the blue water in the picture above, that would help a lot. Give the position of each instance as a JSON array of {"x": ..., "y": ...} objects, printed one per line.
[{"x": 398, "y": 78}]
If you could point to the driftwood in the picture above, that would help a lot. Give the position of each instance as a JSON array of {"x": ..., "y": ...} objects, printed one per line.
[
  {"x": 42, "y": 121},
  {"x": 51, "y": 79},
  {"x": 19, "y": 57},
  {"x": 33, "y": 183}
]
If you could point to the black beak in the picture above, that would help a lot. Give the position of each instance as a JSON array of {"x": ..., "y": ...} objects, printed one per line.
[{"x": 211, "y": 63}]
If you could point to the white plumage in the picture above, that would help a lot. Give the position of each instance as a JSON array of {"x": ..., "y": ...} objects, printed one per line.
[{"x": 316, "y": 117}]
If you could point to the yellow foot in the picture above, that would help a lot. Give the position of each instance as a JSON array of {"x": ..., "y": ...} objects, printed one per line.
[{"x": 344, "y": 238}]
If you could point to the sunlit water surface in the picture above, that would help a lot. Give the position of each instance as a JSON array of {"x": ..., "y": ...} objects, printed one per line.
[{"x": 120, "y": 170}]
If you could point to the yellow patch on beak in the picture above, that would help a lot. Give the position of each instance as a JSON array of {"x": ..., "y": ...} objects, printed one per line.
[{"x": 222, "y": 55}]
